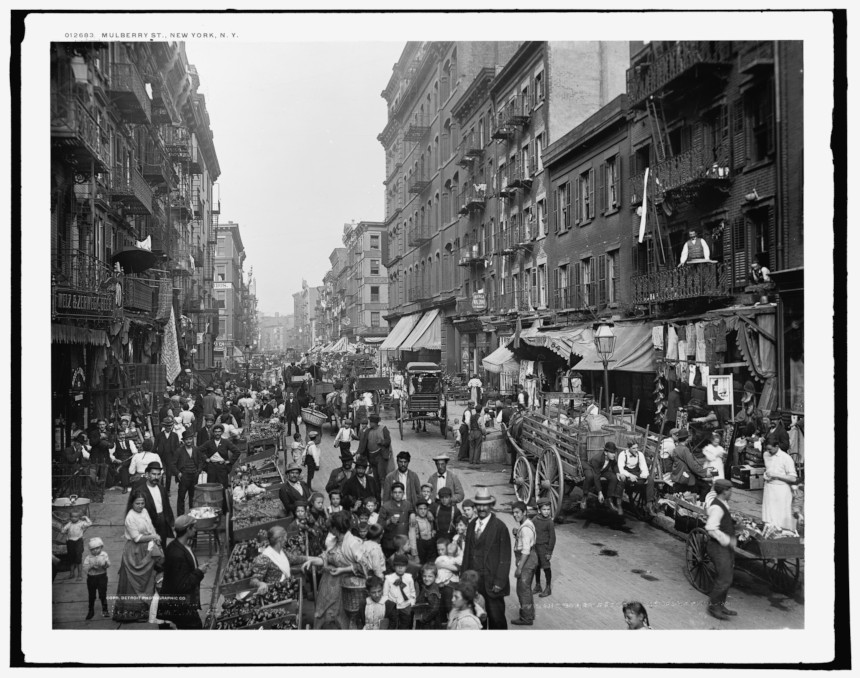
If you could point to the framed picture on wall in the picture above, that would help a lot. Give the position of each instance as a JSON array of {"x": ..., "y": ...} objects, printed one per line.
[{"x": 720, "y": 390}]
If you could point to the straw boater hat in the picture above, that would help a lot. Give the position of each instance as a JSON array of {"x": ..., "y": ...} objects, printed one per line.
[
  {"x": 442, "y": 457},
  {"x": 483, "y": 496}
]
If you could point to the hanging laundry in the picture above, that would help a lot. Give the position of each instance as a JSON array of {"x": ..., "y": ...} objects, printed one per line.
[
  {"x": 720, "y": 334},
  {"x": 657, "y": 337},
  {"x": 710, "y": 344},
  {"x": 691, "y": 340},
  {"x": 701, "y": 353},
  {"x": 671, "y": 344},
  {"x": 682, "y": 333}
]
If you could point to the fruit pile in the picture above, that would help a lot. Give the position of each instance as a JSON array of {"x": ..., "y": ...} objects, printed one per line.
[
  {"x": 259, "y": 509},
  {"x": 264, "y": 430},
  {"x": 258, "y": 610}
]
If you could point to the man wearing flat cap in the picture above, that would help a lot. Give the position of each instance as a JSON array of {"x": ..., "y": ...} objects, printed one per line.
[
  {"x": 339, "y": 476},
  {"x": 220, "y": 455},
  {"x": 156, "y": 499},
  {"x": 721, "y": 548},
  {"x": 361, "y": 486},
  {"x": 375, "y": 444},
  {"x": 166, "y": 445},
  {"x": 402, "y": 474},
  {"x": 602, "y": 466},
  {"x": 189, "y": 463},
  {"x": 294, "y": 489},
  {"x": 179, "y": 599}
]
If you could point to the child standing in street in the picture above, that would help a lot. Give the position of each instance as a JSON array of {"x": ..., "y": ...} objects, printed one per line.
[
  {"x": 399, "y": 588},
  {"x": 544, "y": 546},
  {"x": 422, "y": 533},
  {"x": 96, "y": 566},
  {"x": 74, "y": 531},
  {"x": 428, "y": 605}
]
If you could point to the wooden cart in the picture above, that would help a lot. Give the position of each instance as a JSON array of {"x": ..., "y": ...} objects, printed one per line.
[
  {"x": 424, "y": 405},
  {"x": 780, "y": 558}
]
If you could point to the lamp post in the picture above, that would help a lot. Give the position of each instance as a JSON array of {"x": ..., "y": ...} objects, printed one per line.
[
  {"x": 248, "y": 365},
  {"x": 604, "y": 341}
]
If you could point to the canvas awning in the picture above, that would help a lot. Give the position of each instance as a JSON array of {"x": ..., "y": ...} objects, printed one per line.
[
  {"x": 502, "y": 360},
  {"x": 401, "y": 330},
  {"x": 72, "y": 334},
  {"x": 340, "y": 346},
  {"x": 633, "y": 346},
  {"x": 427, "y": 333}
]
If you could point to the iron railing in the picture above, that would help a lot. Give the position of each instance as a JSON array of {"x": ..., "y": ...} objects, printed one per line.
[
  {"x": 77, "y": 270},
  {"x": 77, "y": 131},
  {"x": 685, "y": 172},
  {"x": 140, "y": 294},
  {"x": 687, "y": 282},
  {"x": 129, "y": 92},
  {"x": 133, "y": 192}
]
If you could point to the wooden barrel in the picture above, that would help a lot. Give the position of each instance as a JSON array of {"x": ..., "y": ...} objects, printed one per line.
[
  {"x": 209, "y": 494},
  {"x": 594, "y": 442}
]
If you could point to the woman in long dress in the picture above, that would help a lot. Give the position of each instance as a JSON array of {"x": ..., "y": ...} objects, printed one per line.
[
  {"x": 274, "y": 562},
  {"x": 779, "y": 475},
  {"x": 137, "y": 571},
  {"x": 342, "y": 560}
]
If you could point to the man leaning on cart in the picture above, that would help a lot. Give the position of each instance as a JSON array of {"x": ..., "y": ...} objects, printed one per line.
[{"x": 721, "y": 548}]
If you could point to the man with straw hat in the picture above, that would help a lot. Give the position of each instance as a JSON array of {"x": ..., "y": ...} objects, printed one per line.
[
  {"x": 445, "y": 478},
  {"x": 488, "y": 552}
]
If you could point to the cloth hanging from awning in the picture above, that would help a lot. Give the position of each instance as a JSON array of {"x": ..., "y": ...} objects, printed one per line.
[
  {"x": 71, "y": 334},
  {"x": 633, "y": 346},
  {"x": 757, "y": 350},
  {"x": 427, "y": 333},
  {"x": 170, "y": 350},
  {"x": 400, "y": 332},
  {"x": 237, "y": 352},
  {"x": 502, "y": 360},
  {"x": 340, "y": 346}
]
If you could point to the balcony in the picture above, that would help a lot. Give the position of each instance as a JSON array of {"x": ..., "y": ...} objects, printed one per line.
[
  {"x": 178, "y": 144},
  {"x": 470, "y": 255},
  {"x": 693, "y": 281},
  {"x": 128, "y": 93},
  {"x": 518, "y": 112},
  {"x": 520, "y": 176},
  {"x": 180, "y": 205},
  {"x": 473, "y": 198},
  {"x": 75, "y": 130},
  {"x": 140, "y": 295},
  {"x": 195, "y": 165},
  {"x": 417, "y": 129},
  {"x": 79, "y": 271},
  {"x": 157, "y": 169},
  {"x": 517, "y": 300},
  {"x": 503, "y": 181},
  {"x": 469, "y": 151},
  {"x": 755, "y": 59},
  {"x": 418, "y": 182},
  {"x": 687, "y": 174},
  {"x": 519, "y": 236},
  {"x": 132, "y": 192},
  {"x": 164, "y": 110},
  {"x": 679, "y": 63},
  {"x": 418, "y": 234}
]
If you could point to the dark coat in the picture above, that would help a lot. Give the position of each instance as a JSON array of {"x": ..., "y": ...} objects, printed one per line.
[
  {"x": 289, "y": 496},
  {"x": 490, "y": 556},
  {"x": 412, "y": 491},
  {"x": 194, "y": 464},
  {"x": 673, "y": 402},
  {"x": 166, "y": 449},
  {"x": 597, "y": 461},
  {"x": 292, "y": 409},
  {"x": 140, "y": 486},
  {"x": 209, "y": 449},
  {"x": 203, "y": 436},
  {"x": 353, "y": 489},
  {"x": 180, "y": 588},
  {"x": 384, "y": 447},
  {"x": 683, "y": 462},
  {"x": 338, "y": 478}
]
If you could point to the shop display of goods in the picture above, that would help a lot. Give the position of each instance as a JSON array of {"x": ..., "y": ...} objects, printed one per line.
[
  {"x": 264, "y": 430},
  {"x": 203, "y": 512},
  {"x": 258, "y": 509},
  {"x": 256, "y": 610}
]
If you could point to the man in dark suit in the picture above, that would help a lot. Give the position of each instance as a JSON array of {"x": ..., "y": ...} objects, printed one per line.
[
  {"x": 402, "y": 474},
  {"x": 180, "y": 588},
  {"x": 361, "y": 486},
  {"x": 166, "y": 445},
  {"x": 220, "y": 455},
  {"x": 603, "y": 465},
  {"x": 156, "y": 499},
  {"x": 488, "y": 552},
  {"x": 687, "y": 473},
  {"x": 375, "y": 444},
  {"x": 292, "y": 412},
  {"x": 340, "y": 475},
  {"x": 210, "y": 402},
  {"x": 294, "y": 490},
  {"x": 204, "y": 435},
  {"x": 189, "y": 463}
]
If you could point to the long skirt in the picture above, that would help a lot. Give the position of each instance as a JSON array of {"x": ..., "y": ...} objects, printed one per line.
[
  {"x": 136, "y": 583},
  {"x": 329, "y": 612}
]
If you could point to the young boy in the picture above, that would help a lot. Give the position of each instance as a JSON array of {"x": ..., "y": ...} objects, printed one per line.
[
  {"x": 544, "y": 545},
  {"x": 422, "y": 533},
  {"x": 74, "y": 531},
  {"x": 299, "y": 526},
  {"x": 445, "y": 514},
  {"x": 428, "y": 608},
  {"x": 334, "y": 503},
  {"x": 370, "y": 506},
  {"x": 472, "y": 577},
  {"x": 399, "y": 589},
  {"x": 469, "y": 510},
  {"x": 96, "y": 566},
  {"x": 427, "y": 493},
  {"x": 374, "y": 618}
]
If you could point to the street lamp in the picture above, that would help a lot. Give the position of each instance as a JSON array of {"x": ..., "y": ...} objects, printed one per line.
[
  {"x": 604, "y": 341},
  {"x": 248, "y": 365}
]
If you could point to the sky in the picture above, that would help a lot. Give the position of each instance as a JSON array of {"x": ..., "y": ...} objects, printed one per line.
[{"x": 295, "y": 127}]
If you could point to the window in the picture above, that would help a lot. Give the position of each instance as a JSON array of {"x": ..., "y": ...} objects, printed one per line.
[
  {"x": 612, "y": 277},
  {"x": 374, "y": 241},
  {"x": 613, "y": 194},
  {"x": 221, "y": 247},
  {"x": 221, "y": 273},
  {"x": 584, "y": 200},
  {"x": 526, "y": 158},
  {"x": 539, "y": 91},
  {"x": 562, "y": 294},
  {"x": 374, "y": 293},
  {"x": 222, "y": 327},
  {"x": 374, "y": 267},
  {"x": 588, "y": 276},
  {"x": 759, "y": 109},
  {"x": 539, "y": 153},
  {"x": 481, "y": 139},
  {"x": 541, "y": 219},
  {"x": 562, "y": 207},
  {"x": 541, "y": 283},
  {"x": 374, "y": 318}
]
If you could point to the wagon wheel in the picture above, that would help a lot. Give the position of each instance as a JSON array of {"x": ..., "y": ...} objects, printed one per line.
[
  {"x": 523, "y": 479},
  {"x": 549, "y": 479},
  {"x": 783, "y": 574},
  {"x": 699, "y": 569}
]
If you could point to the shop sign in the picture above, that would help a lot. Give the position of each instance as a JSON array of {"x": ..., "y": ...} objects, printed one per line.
[
  {"x": 75, "y": 303},
  {"x": 223, "y": 286},
  {"x": 220, "y": 345},
  {"x": 479, "y": 301},
  {"x": 199, "y": 338}
]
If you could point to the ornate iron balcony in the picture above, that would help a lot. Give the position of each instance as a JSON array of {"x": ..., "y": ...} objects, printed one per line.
[{"x": 687, "y": 282}]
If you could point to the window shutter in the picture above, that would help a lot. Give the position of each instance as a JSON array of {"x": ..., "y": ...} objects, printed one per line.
[
  {"x": 576, "y": 207},
  {"x": 618, "y": 181},
  {"x": 739, "y": 251},
  {"x": 771, "y": 238},
  {"x": 591, "y": 205},
  {"x": 739, "y": 149},
  {"x": 601, "y": 280},
  {"x": 601, "y": 189},
  {"x": 576, "y": 285}
]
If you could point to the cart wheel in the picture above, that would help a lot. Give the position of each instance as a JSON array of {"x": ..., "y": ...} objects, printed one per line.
[
  {"x": 549, "y": 479},
  {"x": 523, "y": 479},
  {"x": 699, "y": 569},
  {"x": 783, "y": 574}
]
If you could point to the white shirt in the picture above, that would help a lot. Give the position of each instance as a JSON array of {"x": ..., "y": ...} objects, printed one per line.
[
  {"x": 141, "y": 460},
  {"x": 705, "y": 249},
  {"x": 440, "y": 481},
  {"x": 481, "y": 525},
  {"x": 626, "y": 472},
  {"x": 712, "y": 527},
  {"x": 314, "y": 451},
  {"x": 402, "y": 598},
  {"x": 131, "y": 446},
  {"x": 344, "y": 435},
  {"x": 156, "y": 497}
]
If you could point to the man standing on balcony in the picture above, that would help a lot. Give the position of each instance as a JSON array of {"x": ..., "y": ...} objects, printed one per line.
[{"x": 695, "y": 250}]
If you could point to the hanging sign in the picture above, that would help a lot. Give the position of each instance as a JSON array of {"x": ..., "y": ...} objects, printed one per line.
[{"x": 479, "y": 301}]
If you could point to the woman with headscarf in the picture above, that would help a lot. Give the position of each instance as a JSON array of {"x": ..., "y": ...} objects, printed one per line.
[
  {"x": 273, "y": 564},
  {"x": 137, "y": 569},
  {"x": 342, "y": 560}
]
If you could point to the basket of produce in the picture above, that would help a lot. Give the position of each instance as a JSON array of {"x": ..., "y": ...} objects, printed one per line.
[
  {"x": 313, "y": 417},
  {"x": 207, "y": 516},
  {"x": 260, "y": 508},
  {"x": 248, "y": 610},
  {"x": 238, "y": 571}
]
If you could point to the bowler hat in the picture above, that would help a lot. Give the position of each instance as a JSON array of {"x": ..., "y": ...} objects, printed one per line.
[
  {"x": 683, "y": 434},
  {"x": 293, "y": 466},
  {"x": 346, "y": 455},
  {"x": 361, "y": 461},
  {"x": 154, "y": 466},
  {"x": 188, "y": 434},
  {"x": 483, "y": 496},
  {"x": 609, "y": 446},
  {"x": 167, "y": 421},
  {"x": 182, "y": 522}
]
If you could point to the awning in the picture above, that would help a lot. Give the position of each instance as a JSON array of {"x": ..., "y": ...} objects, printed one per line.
[
  {"x": 71, "y": 334},
  {"x": 135, "y": 259},
  {"x": 502, "y": 360},
  {"x": 633, "y": 347},
  {"x": 340, "y": 346},
  {"x": 427, "y": 333},
  {"x": 237, "y": 352},
  {"x": 401, "y": 330},
  {"x": 374, "y": 340}
]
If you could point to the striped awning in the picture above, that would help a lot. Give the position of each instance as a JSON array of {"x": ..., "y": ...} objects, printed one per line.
[
  {"x": 427, "y": 333},
  {"x": 72, "y": 334},
  {"x": 401, "y": 330}
]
